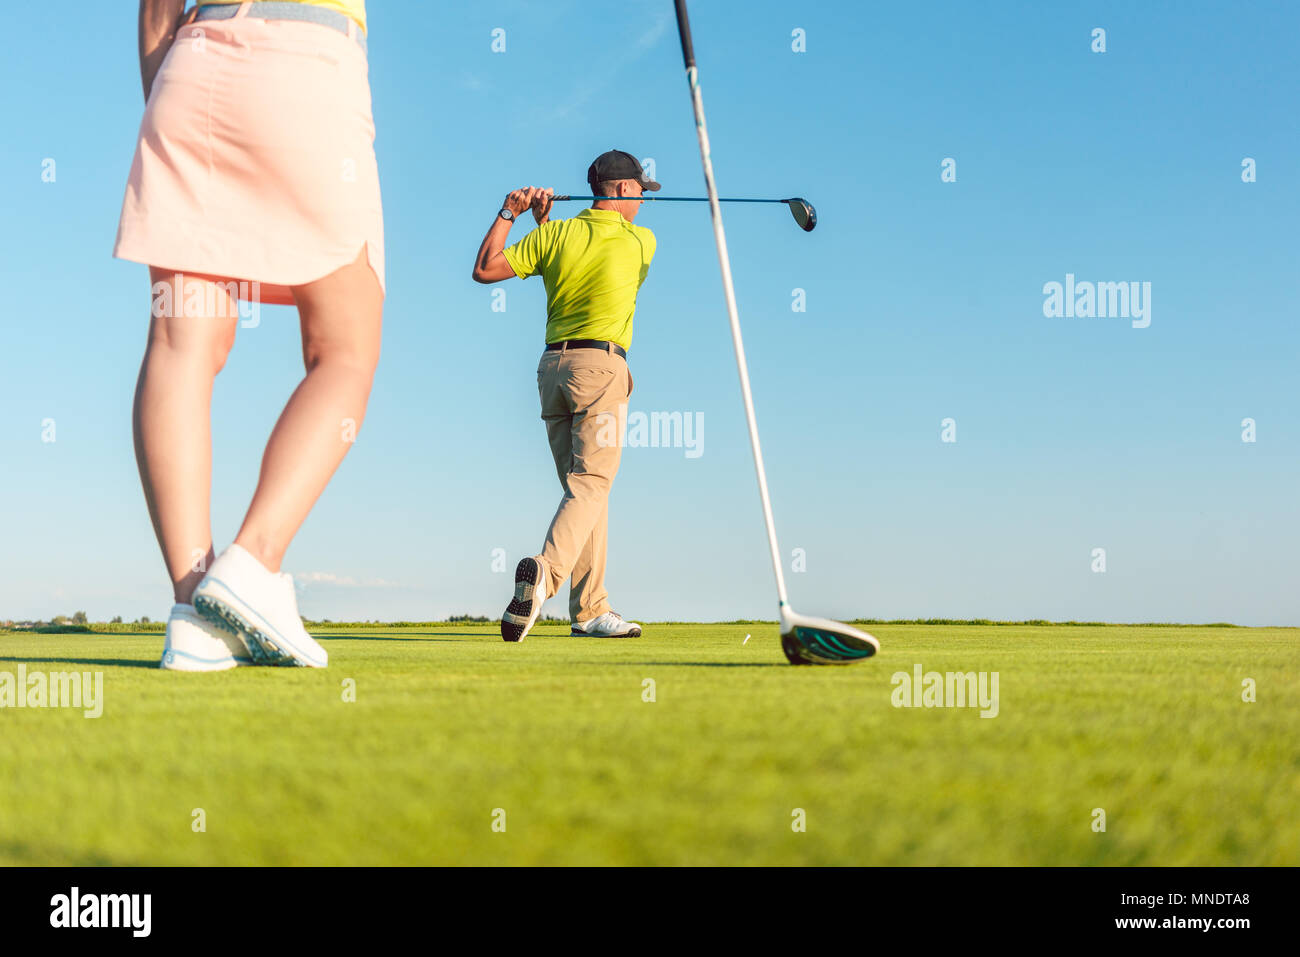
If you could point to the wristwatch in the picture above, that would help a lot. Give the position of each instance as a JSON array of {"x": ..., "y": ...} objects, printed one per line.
[{"x": 507, "y": 214}]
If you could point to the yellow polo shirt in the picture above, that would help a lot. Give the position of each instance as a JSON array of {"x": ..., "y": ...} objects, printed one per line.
[
  {"x": 356, "y": 9},
  {"x": 592, "y": 266}
]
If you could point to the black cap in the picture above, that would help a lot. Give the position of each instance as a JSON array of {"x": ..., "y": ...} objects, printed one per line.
[{"x": 617, "y": 164}]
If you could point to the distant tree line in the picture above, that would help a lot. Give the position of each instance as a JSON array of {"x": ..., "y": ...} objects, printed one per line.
[{"x": 77, "y": 621}]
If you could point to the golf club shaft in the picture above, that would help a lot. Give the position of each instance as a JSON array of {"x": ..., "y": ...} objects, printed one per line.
[
  {"x": 668, "y": 199},
  {"x": 715, "y": 209}
]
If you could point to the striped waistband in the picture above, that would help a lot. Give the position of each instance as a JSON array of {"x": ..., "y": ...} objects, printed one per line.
[{"x": 280, "y": 10}]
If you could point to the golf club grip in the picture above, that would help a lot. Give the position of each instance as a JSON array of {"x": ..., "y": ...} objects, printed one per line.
[{"x": 684, "y": 31}]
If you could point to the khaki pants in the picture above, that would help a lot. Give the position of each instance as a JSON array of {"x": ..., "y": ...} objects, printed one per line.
[{"x": 581, "y": 391}]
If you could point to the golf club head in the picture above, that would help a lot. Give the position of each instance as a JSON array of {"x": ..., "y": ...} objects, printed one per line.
[
  {"x": 820, "y": 641},
  {"x": 803, "y": 213}
]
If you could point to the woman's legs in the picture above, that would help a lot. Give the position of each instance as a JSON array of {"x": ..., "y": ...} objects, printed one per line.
[
  {"x": 341, "y": 318},
  {"x": 172, "y": 421}
]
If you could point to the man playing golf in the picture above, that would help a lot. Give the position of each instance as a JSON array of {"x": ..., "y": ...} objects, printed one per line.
[{"x": 592, "y": 266}]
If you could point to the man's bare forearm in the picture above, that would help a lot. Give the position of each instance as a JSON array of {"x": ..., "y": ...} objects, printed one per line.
[
  {"x": 492, "y": 244},
  {"x": 490, "y": 265},
  {"x": 158, "y": 22}
]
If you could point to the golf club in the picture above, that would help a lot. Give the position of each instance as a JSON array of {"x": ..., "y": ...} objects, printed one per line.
[
  {"x": 800, "y": 208},
  {"x": 804, "y": 640}
]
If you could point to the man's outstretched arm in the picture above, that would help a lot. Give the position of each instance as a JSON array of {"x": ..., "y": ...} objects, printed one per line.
[{"x": 490, "y": 265}]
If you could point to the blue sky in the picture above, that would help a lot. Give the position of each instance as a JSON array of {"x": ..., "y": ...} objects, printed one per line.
[{"x": 924, "y": 302}]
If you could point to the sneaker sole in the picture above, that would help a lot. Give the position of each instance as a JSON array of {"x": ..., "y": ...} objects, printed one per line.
[
  {"x": 630, "y": 633},
  {"x": 173, "y": 660},
  {"x": 524, "y": 610},
  {"x": 268, "y": 647}
]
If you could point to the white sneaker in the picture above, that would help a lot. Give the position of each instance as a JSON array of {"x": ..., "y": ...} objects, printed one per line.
[
  {"x": 240, "y": 593},
  {"x": 608, "y": 625},
  {"x": 526, "y": 607},
  {"x": 195, "y": 645}
]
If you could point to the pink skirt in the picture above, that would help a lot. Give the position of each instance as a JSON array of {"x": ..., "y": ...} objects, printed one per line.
[{"x": 256, "y": 158}]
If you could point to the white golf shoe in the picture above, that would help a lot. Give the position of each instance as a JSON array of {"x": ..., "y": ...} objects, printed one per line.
[
  {"x": 195, "y": 645},
  {"x": 242, "y": 595},
  {"x": 526, "y": 607},
  {"x": 608, "y": 625}
]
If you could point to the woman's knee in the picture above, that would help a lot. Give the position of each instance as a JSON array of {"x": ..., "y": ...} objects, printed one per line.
[
  {"x": 193, "y": 318},
  {"x": 357, "y": 355},
  {"x": 200, "y": 341},
  {"x": 342, "y": 318}
]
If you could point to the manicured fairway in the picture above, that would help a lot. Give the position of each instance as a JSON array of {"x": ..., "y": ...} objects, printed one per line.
[{"x": 449, "y": 724}]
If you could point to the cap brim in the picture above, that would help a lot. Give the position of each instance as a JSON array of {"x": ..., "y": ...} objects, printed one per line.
[{"x": 649, "y": 187}]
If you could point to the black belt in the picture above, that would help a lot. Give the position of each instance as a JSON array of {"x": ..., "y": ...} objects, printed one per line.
[{"x": 613, "y": 347}]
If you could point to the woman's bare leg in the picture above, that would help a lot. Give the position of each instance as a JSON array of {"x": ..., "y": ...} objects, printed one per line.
[
  {"x": 172, "y": 422},
  {"x": 341, "y": 318}
]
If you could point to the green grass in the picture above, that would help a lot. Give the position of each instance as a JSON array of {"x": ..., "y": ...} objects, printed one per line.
[{"x": 449, "y": 723}]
